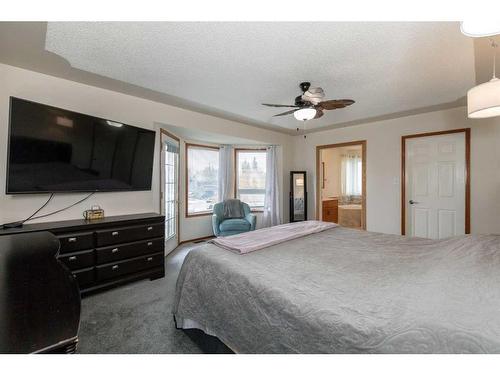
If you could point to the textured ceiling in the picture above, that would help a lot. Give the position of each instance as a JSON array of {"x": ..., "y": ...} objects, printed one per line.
[{"x": 233, "y": 67}]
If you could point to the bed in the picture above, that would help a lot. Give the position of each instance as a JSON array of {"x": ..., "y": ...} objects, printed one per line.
[{"x": 347, "y": 291}]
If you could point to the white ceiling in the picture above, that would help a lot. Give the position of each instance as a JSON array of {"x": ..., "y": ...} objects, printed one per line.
[{"x": 234, "y": 67}]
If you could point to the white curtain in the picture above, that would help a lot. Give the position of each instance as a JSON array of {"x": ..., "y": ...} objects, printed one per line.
[
  {"x": 225, "y": 180},
  {"x": 350, "y": 174},
  {"x": 272, "y": 199}
]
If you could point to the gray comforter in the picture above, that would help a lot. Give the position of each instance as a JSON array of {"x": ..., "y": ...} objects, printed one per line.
[{"x": 347, "y": 291}]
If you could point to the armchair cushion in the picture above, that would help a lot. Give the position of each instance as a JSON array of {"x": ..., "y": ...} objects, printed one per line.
[{"x": 231, "y": 225}]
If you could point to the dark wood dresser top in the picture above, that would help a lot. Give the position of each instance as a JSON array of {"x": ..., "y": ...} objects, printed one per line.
[{"x": 81, "y": 224}]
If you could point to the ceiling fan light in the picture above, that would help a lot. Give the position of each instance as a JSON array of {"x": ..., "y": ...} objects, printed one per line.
[
  {"x": 477, "y": 29},
  {"x": 305, "y": 114},
  {"x": 484, "y": 100}
]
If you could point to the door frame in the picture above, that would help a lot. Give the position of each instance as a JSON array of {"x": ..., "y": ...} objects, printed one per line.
[
  {"x": 466, "y": 132},
  {"x": 363, "y": 177},
  {"x": 164, "y": 132}
]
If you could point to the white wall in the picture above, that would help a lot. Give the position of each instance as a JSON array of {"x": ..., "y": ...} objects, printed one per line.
[
  {"x": 123, "y": 108},
  {"x": 331, "y": 158},
  {"x": 384, "y": 164}
]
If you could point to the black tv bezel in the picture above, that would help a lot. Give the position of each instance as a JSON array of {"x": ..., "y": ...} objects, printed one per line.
[{"x": 7, "y": 192}]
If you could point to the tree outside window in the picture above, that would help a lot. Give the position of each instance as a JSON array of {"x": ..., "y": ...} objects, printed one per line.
[
  {"x": 202, "y": 171},
  {"x": 251, "y": 177}
]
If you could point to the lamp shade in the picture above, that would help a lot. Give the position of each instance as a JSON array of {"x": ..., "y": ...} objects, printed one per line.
[
  {"x": 305, "y": 114},
  {"x": 480, "y": 28},
  {"x": 484, "y": 100}
]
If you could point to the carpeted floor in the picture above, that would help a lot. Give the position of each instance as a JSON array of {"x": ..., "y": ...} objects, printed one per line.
[{"x": 136, "y": 318}]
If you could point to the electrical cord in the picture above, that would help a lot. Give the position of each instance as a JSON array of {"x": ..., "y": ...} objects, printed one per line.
[
  {"x": 37, "y": 211},
  {"x": 64, "y": 208},
  {"x": 17, "y": 224}
]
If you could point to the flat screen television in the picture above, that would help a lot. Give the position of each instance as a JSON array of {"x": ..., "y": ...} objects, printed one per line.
[{"x": 54, "y": 150}]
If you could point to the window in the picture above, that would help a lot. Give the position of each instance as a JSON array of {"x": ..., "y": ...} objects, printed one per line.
[
  {"x": 170, "y": 185},
  {"x": 202, "y": 170},
  {"x": 351, "y": 173},
  {"x": 251, "y": 177}
]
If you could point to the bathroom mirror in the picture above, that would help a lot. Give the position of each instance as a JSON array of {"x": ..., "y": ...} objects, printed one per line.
[{"x": 298, "y": 196}]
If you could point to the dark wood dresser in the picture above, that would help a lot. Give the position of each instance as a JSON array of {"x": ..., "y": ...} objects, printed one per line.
[{"x": 105, "y": 253}]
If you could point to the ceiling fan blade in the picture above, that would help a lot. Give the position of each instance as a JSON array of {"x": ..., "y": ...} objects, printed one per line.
[
  {"x": 334, "y": 104},
  {"x": 285, "y": 113},
  {"x": 319, "y": 113},
  {"x": 280, "y": 105}
]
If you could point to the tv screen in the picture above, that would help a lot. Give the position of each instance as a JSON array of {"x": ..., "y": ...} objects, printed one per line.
[{"x": 55, "y": 150}]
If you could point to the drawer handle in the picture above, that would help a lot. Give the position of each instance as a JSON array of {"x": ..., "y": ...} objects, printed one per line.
[
  {"x": 114, "y": 233},
  {"x": 150, "y": 228},
  {"x": 115, "y": 267},
  {"x": 72, "y": 258},
  {"x": 72, "y": 239},
  {"x": 150, "y": 243},
  {"x": 115, "y": 250},
  {"x": 150, "y": 259}
]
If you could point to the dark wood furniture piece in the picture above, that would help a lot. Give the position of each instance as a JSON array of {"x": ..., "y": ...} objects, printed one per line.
[
  {"x": 330, "y": 210},
  {"x": 39, "y": 297},
  {"x": 298, "y": 196},
  {"x": 108, "y": 252}
]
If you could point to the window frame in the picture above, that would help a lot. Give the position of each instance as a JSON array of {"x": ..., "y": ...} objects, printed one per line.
[
  {"x": 236, "y": 151},
  {"x": 186, "y": 161}
]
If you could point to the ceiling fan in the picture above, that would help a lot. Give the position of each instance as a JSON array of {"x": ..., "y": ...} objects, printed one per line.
[{"x": 310, "y": 105}]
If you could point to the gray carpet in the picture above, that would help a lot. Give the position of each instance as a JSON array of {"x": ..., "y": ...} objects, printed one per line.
[{"x": 136, "y": 318}]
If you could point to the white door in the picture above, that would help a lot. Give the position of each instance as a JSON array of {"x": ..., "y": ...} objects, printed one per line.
[
  {"x": 435, "y": 185},
  {"x": 170, "y": 190}
]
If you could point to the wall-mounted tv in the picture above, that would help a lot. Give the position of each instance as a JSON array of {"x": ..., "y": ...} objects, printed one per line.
[{"x": 54, "y": 150}]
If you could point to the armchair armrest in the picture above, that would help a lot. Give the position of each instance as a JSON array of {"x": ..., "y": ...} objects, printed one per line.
[
  {"x": 215, "y": 225},
  {"x": 252, "y": 219}
]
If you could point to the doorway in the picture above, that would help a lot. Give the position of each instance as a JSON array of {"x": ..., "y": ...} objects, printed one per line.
[
  {"x": 169, "y": 188},
  {"x": 341, "y": 184},
  {"x": 435, "y": 184}
]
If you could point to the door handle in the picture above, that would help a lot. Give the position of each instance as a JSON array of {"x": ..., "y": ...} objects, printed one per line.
[{"x": 411, "y": 201}]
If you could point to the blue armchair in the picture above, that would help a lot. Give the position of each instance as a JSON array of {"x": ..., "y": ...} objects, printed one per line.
[{"x": 226, "y": 227}]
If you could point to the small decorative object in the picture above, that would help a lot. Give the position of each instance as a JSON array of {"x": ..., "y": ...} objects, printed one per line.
[{"x": 95, "y": 213}]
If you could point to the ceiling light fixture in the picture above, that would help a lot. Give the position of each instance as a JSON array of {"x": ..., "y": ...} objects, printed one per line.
[
  {"x": 477, "y": 29},
  {"x": 305, "y": 114},
  {"x": 484, "y": 100}
]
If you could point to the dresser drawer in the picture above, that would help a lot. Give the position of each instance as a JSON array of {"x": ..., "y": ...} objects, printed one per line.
[
  {"x": 76, "y": 241},
  {"x": 128, "y": 234},
  {"x": 81, "y": 259},
  {"x": 84, "y": 277},
  {"x": 129, "y": 250},
  {"x": 112, "y": 270}
]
